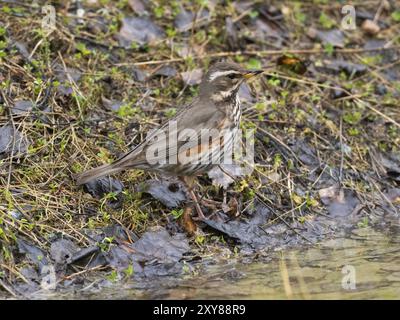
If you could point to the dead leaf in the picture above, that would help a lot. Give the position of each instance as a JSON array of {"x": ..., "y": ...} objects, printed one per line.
[
  {"x": 168, "y": 193},
  {"x": 223, "y": 177},
  {"x": 139, "y": 30},
  {"x": 184, "y": 20},
  {"x": 12, "y": 142},
  {"x": 187, "y": 221},
  {"x": 192, "y": 77},
  {"x": 137, "y": 6},
  {"x": 293, "y": 64},
  {"x": 333, "y": 37}
]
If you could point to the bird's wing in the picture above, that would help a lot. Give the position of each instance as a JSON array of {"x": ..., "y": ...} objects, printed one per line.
[
  {"x": 168, "y": 140},
  {"x": 195, "y": 116}
]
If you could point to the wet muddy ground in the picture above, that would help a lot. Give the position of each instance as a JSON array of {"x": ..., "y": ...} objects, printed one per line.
[{"x": 362, "y": 264}]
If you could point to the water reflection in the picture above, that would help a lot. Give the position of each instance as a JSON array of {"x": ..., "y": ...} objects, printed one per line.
[{"x": 311, "y": 273}]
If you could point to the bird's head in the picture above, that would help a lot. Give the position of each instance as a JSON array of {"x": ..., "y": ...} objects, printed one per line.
[{"x": 223, "y": 79}]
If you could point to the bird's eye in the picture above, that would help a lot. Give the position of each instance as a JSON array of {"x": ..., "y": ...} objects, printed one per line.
[{"x": 232, "y": 76}]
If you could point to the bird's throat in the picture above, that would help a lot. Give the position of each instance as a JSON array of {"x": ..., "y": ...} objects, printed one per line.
[{"x": 224, "y": 96}]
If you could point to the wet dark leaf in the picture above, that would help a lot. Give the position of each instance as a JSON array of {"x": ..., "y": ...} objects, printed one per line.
[
  {"x": 192, "y": 77},
  {"x": 30, "y": 274},
  {"x": 374, "y": 44},
  {"x": 138, "y": 6},
  {"x": 139, "y": 75},
  {"x": 166, "y": 71},
  {"x": 34, "y": 253},
  {"x": 21, "y": 47},
  {"x": 22, "y": 107},
  {"x": 100, "y": 187},
  {"x": 338, "y": 93},
  {"x": 380, "y": 89},
  {"x": 185, "y": 19},
  {"x": 263, "y": 31},
  {"x": 89, "y": 254},
  {"x": 349, "y": 68},
  {"x": 391, "y": 163},
  {"x": 333, "y": 37},
  {"x": 247, "y": 230},
  {"x": 231, "y": 35},
  {"x": 64, "y": 77},
  {"x": 155, "y": 253},
  {"x": 168, "y": 193},
  {"x": 12, "y": 142},
  {"x": 138, "y": 30},
  {"x": 118, "y": 257},
  {"x": 120, "y": 234},
  {"x": 112, "y": 105},
  {"x": 62, "y": 251},
  {"x": 160, "y": 247},
  {"x": 306, "y": 153}
]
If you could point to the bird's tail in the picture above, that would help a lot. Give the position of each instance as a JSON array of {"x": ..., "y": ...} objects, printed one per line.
[{"x": 98, "y": 172}]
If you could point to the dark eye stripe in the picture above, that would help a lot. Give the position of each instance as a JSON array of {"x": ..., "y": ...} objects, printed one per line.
[{"x": 232, "y": 76}]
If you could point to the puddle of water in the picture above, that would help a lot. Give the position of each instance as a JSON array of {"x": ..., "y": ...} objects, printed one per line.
[{"x": 369, "y": 258}]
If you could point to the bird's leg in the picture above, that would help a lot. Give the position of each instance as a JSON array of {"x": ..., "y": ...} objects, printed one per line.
[{"x": 189, "y": 185}]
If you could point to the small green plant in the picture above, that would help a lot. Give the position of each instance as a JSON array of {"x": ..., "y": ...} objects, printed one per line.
[
  {"x": 126, "y": 110},
  {"x": 277, "y": 160},
  {"x": 363, "y": 223},
  {"x": 326, "y": 21},
  {"x": 329, "y": 48},
  {"x": 353, "y": 132},
  {"x": 129, "y": 271},
  {"x": 6, "y": 9},
  {"x": 254, "y": 63},
  {"x": 199, "y": 240},
  {"x": 300, "y": 16},
  {"x": 253, "y": 14},
  {"x": 113, "y": 276},
  {"x": 260, "y": 106},
  {"x": 352, "y": 117},
  {"x": 177, "y": 213},
  {"x": 105, "y": 244},
  {"x": 396, "y": 15},
  {"x": 81, "y": 47},
  {"x": 159, "y": 12},
  {"x": 171, "y": 32},
  {"x": 169, "y": 113}
]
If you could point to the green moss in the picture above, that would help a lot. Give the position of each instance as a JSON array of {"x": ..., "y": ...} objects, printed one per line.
[
  {"x": 352, "y": 117},
  {"x": 396, "y": 15},
  {"x": 254, "y": 63},
  {"x": 326, "y": 21}
]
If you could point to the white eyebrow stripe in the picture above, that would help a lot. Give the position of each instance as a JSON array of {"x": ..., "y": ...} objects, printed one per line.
[{"x": 217, "y": 74}]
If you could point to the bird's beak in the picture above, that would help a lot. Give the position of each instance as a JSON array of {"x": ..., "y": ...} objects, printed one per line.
[{"x": 248, "y": 74}]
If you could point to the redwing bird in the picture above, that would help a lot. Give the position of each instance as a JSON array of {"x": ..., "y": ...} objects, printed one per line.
[{"x": 217, "y": 107}]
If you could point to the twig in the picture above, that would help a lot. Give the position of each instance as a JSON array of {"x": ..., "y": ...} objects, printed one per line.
[
  {"x": 341, "y": 151},
  {"x": 7, "y": 288}
]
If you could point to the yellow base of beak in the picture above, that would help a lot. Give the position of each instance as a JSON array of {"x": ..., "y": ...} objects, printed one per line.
[{"x": 251, "y": 74}]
